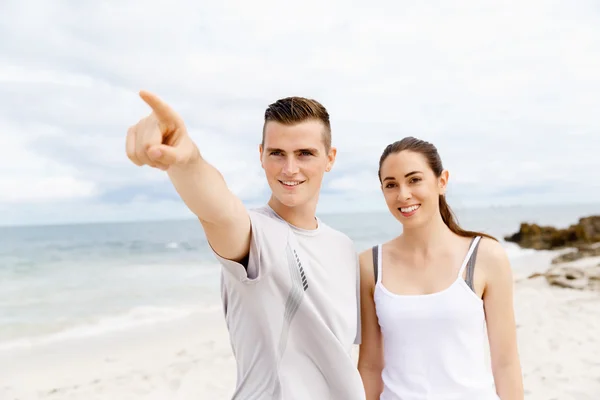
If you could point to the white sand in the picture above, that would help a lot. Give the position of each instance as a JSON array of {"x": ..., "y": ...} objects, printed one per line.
[{"x": 558, "y": 330}]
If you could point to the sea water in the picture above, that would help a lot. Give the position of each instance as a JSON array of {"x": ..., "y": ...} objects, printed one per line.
[{"x": 59, "y": 282}]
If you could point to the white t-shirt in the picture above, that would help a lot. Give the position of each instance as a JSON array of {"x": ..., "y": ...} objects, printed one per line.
[{"x": 294, "y": 315}]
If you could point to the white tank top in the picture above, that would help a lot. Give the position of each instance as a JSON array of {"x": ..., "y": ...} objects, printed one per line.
[{"x": 434, "y": 344}]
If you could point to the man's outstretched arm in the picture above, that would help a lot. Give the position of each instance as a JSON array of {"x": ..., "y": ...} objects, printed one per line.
[{"x": 161, "y": 141}]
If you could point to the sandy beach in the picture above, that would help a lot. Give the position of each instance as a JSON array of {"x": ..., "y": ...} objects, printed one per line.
[{"x": 191, "y": 359}]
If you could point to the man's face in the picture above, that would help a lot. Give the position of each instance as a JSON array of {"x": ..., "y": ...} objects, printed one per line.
[{"x": 295, "y": 159}]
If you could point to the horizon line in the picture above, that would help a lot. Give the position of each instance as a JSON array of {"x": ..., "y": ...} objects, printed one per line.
[{"x": 326, "y": 213}]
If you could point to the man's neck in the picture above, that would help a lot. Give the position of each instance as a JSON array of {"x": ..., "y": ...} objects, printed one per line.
[{"x": 302, "y": 217}]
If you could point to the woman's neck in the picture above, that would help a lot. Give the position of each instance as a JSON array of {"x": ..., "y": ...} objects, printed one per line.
[{"x": 431, "y": 235}]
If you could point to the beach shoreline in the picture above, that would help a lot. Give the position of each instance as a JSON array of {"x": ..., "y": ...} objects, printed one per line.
[
  {"x": 146, "y": 362},
  {"x": 190, "y": 357}
]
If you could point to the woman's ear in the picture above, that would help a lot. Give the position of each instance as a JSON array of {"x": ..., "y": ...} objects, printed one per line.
[{"x": 443, "y": 181}]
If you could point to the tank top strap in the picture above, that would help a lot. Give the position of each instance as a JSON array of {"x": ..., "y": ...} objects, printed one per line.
[
  {"x": 472, "y": 247},
  {"x": 377, "y": 262},
  {"x": 471, "y": 268}
]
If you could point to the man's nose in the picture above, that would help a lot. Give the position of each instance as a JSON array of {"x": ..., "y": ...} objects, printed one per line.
[{"x": 291, "y": 166}]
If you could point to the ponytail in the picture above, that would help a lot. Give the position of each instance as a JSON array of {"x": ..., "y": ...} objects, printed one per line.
[{"x": 450, "y": 221}]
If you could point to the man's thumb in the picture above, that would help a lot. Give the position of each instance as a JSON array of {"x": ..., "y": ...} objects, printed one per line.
[{"x": 164, "y": 154}]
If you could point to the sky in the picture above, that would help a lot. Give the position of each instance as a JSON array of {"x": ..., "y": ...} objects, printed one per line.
[{"x": 508, "y": 92}]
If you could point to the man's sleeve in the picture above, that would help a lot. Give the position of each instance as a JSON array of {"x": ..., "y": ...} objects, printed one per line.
[
  {"x": 358, "y": 337},
  {"x": 250, "y": 268}
]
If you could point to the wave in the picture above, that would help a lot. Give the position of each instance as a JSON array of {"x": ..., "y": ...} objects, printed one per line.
[
  {"x": 514, "y": 251},
  {"x": 136, "y": 317}
]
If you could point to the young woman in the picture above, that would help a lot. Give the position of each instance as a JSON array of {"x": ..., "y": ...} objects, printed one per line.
[{"x": 429, "y": 294}]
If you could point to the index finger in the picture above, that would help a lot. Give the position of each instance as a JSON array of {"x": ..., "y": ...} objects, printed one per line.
[{"x": 162, "y": 110}]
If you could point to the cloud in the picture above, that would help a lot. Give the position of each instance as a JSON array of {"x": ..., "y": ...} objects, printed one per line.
[{"x": 507, "y": 92}]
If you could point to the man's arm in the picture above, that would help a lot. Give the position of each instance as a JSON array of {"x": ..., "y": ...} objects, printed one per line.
[
  {"x": 161, "y": 141},
  {"x": 222, "y": 214}
]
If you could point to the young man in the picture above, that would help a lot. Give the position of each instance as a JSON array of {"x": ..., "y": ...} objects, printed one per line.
[{"x": 290, "y": 283}]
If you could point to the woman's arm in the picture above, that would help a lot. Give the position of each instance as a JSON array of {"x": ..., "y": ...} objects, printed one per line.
[
  {"x": 500, "y": 318},
  {"x": 370, "y": 357}
]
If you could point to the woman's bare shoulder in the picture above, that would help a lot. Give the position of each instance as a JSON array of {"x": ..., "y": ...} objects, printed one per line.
[{"x": 492, "y": 257}]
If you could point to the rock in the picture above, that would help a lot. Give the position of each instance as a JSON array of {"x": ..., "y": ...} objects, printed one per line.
[
  {"x": 570, "y": 273},
  {"x": 594, "y": 273},
  {"x": 591, "y": 228},
  {"x": 572, "y": 277},
  {"x": 535, "y": 275},
  {"x": 594, "y": 278},
  {"x": 581, "y": 252},
  {"x": 584, "y": 237},
  {"x": 560, "y": 281},
  {"x": 533, "y": 236}
]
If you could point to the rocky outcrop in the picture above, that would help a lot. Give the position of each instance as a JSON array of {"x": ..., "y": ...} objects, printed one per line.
[
  {"x": 573, "y": 277},
  {"x": 533, "y": 236},
  {"x": 581, "y": 252},
  {"x": 583, "y": 237}
]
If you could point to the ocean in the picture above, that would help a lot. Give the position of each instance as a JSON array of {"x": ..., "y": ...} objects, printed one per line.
[{"x": 66, "y": 281}]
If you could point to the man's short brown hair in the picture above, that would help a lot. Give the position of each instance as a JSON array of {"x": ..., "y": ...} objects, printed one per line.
[{"x": 294, "y": 110}]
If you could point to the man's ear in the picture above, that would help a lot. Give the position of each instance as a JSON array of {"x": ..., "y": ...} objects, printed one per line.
[
  {"x": 331, "y": 158},
  {"x": 260, "y": 154}
]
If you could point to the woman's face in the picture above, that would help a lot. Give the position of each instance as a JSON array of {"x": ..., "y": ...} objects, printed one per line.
[{"x": 410, "y": 187}]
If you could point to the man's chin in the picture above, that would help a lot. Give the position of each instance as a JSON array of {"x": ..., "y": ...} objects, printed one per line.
[{"x": 291, "y": 199}]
